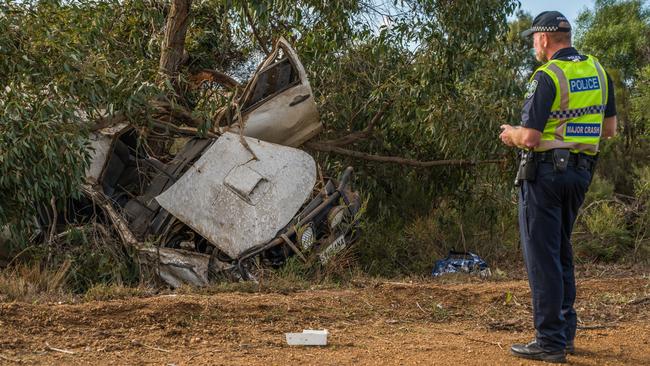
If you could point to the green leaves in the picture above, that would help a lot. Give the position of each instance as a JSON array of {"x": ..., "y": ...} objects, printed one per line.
[
  {"x": 618, "y": 33},
  {"x": 62, "y": 66},
  {"x": 43, "y": 153}
]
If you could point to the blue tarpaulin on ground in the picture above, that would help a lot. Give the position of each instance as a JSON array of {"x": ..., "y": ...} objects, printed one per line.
[{"x": 461, "y": 262}]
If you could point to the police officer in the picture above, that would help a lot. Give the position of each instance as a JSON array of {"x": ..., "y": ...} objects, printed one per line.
[{"x": 569, "y": 108}]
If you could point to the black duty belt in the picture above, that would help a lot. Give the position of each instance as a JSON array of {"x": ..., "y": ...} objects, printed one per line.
[{"x": 579, "y": 160}]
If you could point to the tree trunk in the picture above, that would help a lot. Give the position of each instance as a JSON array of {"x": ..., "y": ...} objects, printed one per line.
[{"x": 173, "y": 44}]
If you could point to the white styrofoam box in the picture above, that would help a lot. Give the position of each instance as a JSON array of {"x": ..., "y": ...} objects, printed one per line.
[{"x": 308, "y": 337}]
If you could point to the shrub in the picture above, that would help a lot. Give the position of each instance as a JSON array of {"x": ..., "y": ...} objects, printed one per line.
[
  {"x": 600, "y": 189},
  {"x": 485, "y": 225},
  {"x": 608, "y": 237},
  {"x": 96, "y": 257},
  {"x": 641, "y": 221}
]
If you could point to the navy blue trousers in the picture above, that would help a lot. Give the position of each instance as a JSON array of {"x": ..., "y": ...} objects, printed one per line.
[{"x": 548, "y": 207}]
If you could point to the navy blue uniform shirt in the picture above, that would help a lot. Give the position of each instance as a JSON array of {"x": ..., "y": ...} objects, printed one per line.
[{"x": 537, "y": 106}]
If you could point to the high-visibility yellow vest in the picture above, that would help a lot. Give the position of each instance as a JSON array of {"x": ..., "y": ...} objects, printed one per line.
[{"x": 578, "y": 110}]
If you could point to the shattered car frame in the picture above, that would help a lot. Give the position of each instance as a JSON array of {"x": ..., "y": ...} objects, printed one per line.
[
  {"x": 179, "y": 206},
  {"x": 226, "y": 204}
]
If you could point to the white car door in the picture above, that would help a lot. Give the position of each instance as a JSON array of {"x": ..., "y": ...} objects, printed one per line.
[{"x": 278, "y": 104}]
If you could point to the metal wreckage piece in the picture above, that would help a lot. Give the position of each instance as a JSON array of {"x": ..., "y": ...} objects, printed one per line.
[{"x": 222, "y": 206}]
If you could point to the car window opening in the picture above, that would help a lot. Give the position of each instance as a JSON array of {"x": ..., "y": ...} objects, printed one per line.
[{"x": 275, "y": 79}]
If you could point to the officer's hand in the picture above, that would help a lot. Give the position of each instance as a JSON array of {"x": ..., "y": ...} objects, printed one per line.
[{"x": 506, "y": 136}]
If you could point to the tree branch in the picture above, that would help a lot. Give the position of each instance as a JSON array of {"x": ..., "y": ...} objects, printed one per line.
[
  {"x": 176, "y": 114},
  {"x": 213, "y": 76},
  {"x": 181, "y": 131},
  {"x": 108, "y": 121},
  {"x": 359, "y": 135},
  {"x": 255, "y": 33},
  {"x": 397, "y": 160}
]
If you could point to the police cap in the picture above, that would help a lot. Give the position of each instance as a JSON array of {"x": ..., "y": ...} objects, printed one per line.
[{"x": 548, "y": 21}]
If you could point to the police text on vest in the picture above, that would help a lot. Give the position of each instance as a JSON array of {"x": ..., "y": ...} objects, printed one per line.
[
  {"x": 583, "y": 129},
  {"x": 584, "y": 84}
]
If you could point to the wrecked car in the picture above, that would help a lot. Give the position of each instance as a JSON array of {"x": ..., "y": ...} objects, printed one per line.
[{"x": 229, "y": 203}]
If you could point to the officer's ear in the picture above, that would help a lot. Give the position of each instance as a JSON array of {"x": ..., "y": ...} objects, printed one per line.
[{"x": 543, "y": 40}]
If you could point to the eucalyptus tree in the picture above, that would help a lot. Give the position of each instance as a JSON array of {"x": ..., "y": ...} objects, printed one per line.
[{"x": 412, "y": 81}]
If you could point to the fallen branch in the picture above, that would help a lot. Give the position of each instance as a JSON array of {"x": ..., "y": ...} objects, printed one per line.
[
  {"x": 138, "y": 343},
  {"x": 293, "y": 247},
  {"x": 183, "y": 131},
  {"x": 399, "y": 284},
  {"x": 599, "y": 326},
  {"x": 50, "y": 348},
  {"x": 160, "y": 111},
  {"x": 397, "y": 160},
  {"x": 50, "y": 236},
  {"x": 119, "y": 224},
  {"x": 108, "y": 121},
  {"x": 168, "y": 112},
  {"x": 420, "y": 307},
  {"x": 242, "y": 140},
  {"x": 486, "y": 342},
  {"x": 213, "y": 76}
]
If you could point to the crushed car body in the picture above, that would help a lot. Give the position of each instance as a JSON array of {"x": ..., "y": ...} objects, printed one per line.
[
  {"x": 240, "y": 200},
  {"x": 228, "y": 204}
]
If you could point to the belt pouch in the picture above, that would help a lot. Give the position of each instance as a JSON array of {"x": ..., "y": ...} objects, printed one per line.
[{"x": 561, "y": 159}]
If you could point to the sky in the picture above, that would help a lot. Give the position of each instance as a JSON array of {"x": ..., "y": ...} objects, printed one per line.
[{"x": 570, "y": 8}]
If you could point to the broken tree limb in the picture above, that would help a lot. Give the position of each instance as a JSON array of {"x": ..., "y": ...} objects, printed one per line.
[
  {"x": 165, "y": 111},
  {"x": 213, "y": 76},
  {"x": 242, "y": 140},
  {"x": 484, "y": 341},
  {"x": 398, "y": 160},
  {"x": 293, "y": 247},
  {"x": 182, "y": 131},
  {"x": 160, "y": 110},
  {"x": 119, "y": 224},
  {"x": 639, "y": 301},
  {"x": 598, "y": 326},
  {"x": 173, "y": 266},
  {"x": 140, "y": 344},
  {"x": 52, "y": 231},
  {"x": 50, "y": 348}
]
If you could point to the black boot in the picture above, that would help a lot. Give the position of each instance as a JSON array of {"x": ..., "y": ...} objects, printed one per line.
[
  {"x": 570, "y": 348},
  {"x": 532, "y": 351}
]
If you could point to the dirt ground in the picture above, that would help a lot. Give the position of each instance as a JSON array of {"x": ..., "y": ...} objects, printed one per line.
[{"x": 370, "y": 323}]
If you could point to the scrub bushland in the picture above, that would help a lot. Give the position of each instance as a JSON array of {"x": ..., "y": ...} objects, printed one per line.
[{"x": 414, "y": 79}]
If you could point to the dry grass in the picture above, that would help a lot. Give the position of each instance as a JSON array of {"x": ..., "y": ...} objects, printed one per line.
[
  {"x": 103, "y": 292},
  {"x": 31, "y": 282}
]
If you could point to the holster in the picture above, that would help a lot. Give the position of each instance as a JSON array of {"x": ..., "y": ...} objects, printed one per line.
[{"x": 527, "y": 168}]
